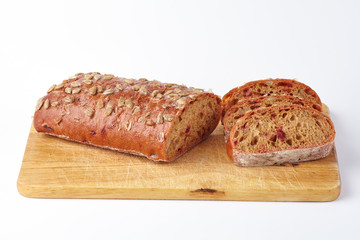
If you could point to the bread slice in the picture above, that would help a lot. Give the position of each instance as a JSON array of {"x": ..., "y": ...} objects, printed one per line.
[
  {"x": 239, "y": 109},
  {"x": 269, "y": 87},
  {"x": 280, "y": 134}
]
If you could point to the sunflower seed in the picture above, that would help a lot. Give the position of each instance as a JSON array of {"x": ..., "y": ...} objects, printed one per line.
[
  {"x": 198, "y": 90},
  {"x": 46, "y": 104},
  {"x": 168, "y": 92},
  {"x": 75, "y": 84},
  {"x": 100, "y": 103},
  {"x": 73, "y": 77},
  {"x": 160, "y": 119},
  {"x": 169, "y": 84},
  {"x": 147, "y": 114},
  {"x": 121, "y": 102},
  {"x": 51, "y": 88},
  {"x": 88, "y": 76},
  {"x": 118, "y": 86},
  {"x": 154, "y": 93},
  {"x": 129, "y": 103},
  {"x": 159, "y": 96},
  {"x": 69, "y": 99},
  {"x": 150, "y": 122},
  {"x": 166, "y": 105},
  {"x": 177, "y": 90},
  {"x": 55, "y": 104},
  {"x": 39, "y": 104},
  {"x": 99, "y": 89},
  {"x": 181, "y": 101},
  {"x": 143, "y": 90},
  {"x": 89, "y": 112},
  {"x": 192, "y": 96},
  {"x": 142, "y": 79},
  {"x": 109, "y": 108},
  {"x": 168, "y": 117},
  {"x": 92, "y": 91},
  {"x": 141, "y": 119},
  {"x": 129, "y": 81},
  {"x": 88, "y": 82},
  {"x": 183, "y": 94},
  {"x": 76, "y": 90},
  {"x": 97, "y": 77},
  {"x": 108, "y": 91},
  {"x": 161, "y": 137},
  {"x": 60, "y": 86},
  {"x": 174, "y": 96},
  {"x": 68, "y": 90},
  {"x": 108, "y": 76},
  {"x": 135, "y": 87},
  {"x": 128, "y": 126},
  {"x": 78, "y": 74}
]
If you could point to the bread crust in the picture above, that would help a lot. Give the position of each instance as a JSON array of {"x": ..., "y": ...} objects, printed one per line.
[
  {"x": 279, "y": 156},
  {"x": 279, "y": 87},
  {"x": 127, "y": 115}
]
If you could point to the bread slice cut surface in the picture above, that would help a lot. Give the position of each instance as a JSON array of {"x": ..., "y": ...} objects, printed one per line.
[{"x": 280, "y": 134}]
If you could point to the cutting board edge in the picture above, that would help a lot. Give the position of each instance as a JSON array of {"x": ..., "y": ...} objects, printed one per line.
[{"x": 33, "y": 191}]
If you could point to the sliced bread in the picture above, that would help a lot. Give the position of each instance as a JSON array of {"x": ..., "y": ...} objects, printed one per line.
[
  {"x": 269, "y": 87},
  {"x": 280, "y": 134},
  {"x": 239, "y": 109}
]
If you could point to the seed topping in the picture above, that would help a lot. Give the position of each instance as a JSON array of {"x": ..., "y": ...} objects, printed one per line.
[
  {"x": 160, "y": 119},
  {"x": 109, "y": 108},
  {"x": 168, "y": 117},
  {"x": 121, "y": 102},
  {"x": 89, "y": 112},
  {"x": 76, "y": 90},
  {"x": 51, "y": 88},
  {"x": 55, "y": 104},
  {"x": 100, "y": 104},
  {"x": 69, "y": 99},
  {"x": 108, "y": 76},
  {"x": 68, "y": 90},
  {"x": 92, "y": 91},
  {"x": 46, "y": 104},
  {"x": 108, "y": 91},
  {"x": 129, "y": 104},
  {"x": 39, "y": 104}
]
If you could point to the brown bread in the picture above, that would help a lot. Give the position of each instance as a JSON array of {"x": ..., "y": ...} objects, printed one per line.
[
  {"x": 269, "y": 87},
  {"x": 239, "y": 109},
  {"x": 280, "y": 134},
  {"x": 157, "y": 120}
]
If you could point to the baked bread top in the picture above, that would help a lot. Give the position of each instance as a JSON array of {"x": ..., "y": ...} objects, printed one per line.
[
  {"x": 269, "y": 87},
  {"x": 157, "y": 120}
]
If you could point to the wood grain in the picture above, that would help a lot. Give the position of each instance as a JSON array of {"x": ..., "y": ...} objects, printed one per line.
[{"x": 56, "y": 168}]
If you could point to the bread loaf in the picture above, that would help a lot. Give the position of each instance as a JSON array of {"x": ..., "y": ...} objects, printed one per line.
[
  {"x": 269, "y": 87},
  {"x": 147, "y": 118},
  {"x": 280, "y": 134},
  {"x": 239, "y": 109}
]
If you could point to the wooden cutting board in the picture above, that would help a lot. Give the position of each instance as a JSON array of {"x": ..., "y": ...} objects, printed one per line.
[{"x": 56, "y": 168}]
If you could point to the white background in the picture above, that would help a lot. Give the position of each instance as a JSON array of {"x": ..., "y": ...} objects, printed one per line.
[{"x": 207, "y": 44}]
